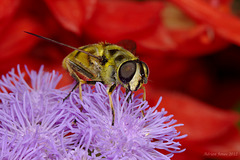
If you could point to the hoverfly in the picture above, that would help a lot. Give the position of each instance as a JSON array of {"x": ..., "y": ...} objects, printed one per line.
[{"x": 108, "y": 63}]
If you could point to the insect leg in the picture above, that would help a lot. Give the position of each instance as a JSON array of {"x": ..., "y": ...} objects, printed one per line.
[
  {"x": 144, "y": 93},
  {"x": 110, "y": 101},
  {"x": 93, "y": 82},
  {"x": 110, "y": 90},
  {"x": 144, "y": 97},
  {"x": 84, "y": 82},
  {"x": 76, "y": 85},
  {"x": 71, "y": 91},
  {"x": 80, "y": 88},
  {"x": 75, "y": 76},
  {"x": 130, "y": 96}
]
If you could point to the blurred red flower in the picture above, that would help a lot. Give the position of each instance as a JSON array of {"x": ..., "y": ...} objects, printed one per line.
[{"x": 191, "y": 47}]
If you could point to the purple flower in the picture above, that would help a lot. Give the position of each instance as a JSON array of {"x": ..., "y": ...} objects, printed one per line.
[
  {"x": 132, "y": 136},
  {"x": 32, "y": 116},
  {"x": 35, "y": 123}
]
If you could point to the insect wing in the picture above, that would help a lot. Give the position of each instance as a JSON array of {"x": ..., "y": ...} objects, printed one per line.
[{"x": 128, "y": 44}]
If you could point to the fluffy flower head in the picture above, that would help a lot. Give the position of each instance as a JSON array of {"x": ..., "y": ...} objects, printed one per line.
[
  {"x": 37, "y": 124},
  {"x": 31, "y": 116},
  {"x": 133, "y": 136}
]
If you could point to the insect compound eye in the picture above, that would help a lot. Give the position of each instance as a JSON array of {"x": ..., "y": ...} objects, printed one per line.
[
  {"x": 127, "y": 71},
  {"x": 145, "y": 68}
]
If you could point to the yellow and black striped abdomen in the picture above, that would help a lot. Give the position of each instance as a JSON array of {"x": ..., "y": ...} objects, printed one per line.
[
  {"x": 85, "y": 64},
  {"x": 104, "y": 68}
]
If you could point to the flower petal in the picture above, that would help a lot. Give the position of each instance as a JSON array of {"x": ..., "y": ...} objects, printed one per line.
[
  {"x": 201, "y": 121},
  {"x": 72, "y": 14},
  {"x": 227, "y": 145},
  {"x": 202, "y": 11},
  {"x": 14, "y": 42},
  {"x": 115, "y": 19},
  {"x": 7, "y": 10},
  {"x": 180, "y": 35}
]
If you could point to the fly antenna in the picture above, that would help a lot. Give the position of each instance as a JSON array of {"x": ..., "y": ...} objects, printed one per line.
[{"x": 63, "y": 44}]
